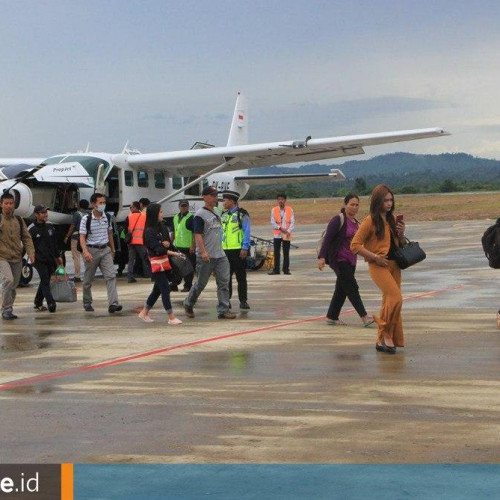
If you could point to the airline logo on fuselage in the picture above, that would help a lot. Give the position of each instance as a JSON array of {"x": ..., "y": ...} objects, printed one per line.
[{"x": 62, "y": 170}]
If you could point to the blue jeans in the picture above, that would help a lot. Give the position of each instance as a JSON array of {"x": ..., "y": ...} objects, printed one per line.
[
  {"x": 160, "y": 288},
  {"x": 204, "y": 269}
]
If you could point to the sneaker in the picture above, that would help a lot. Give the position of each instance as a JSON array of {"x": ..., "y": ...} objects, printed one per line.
[
  {"x": 174, "y": 288},
  {"x": 40, "y": 308},
  {"x": 88, "y": 307},
  {"x": 113, "y": 308},
  {"x": 52, "y": 307},
  {"x": 132, "y": 280},
  {"x": 175, "y": 321},
  {"x": 186, "y": 289},
  {"x": 287, "y": 272},
  {"x": 273, "y": 272},
  {"x": 226, "y": 315},
  {"x": 146, "y": 317},
  {"x": 188, "y": 310},
  {"x": 9, "y": 315},
  {"x": 244, "y": 305}
]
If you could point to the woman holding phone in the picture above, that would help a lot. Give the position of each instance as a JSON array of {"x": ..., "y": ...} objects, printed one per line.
[
  {"x": 336, "y": 252},
  {"x": 377, "y": 238}
]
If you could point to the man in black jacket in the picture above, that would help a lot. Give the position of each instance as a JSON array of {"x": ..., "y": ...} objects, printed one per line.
[{"x": 47, "y": 257}]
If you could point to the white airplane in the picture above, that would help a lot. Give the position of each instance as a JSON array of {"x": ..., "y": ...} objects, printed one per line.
[{"x": 59, "y": 181}]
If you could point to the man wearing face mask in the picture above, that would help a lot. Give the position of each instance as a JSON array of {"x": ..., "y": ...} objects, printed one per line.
[{"x": 98, "y": 249}]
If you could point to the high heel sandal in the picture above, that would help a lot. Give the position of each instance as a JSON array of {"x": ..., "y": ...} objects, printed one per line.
[{"x": 385, "y": 348}]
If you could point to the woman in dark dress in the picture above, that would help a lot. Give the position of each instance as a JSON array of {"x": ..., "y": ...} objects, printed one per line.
[{"x": 336, "y": 252}]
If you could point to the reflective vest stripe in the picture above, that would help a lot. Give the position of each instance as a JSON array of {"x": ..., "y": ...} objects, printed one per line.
[{"x": 277, "y": 218}]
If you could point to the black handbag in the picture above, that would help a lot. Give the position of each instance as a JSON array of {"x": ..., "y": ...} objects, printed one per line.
[
  {"x": 409, "y": 254},
  {"x": 181, "y": 265}
]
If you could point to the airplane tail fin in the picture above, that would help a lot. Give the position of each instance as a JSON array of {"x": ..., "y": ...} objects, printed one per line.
[{"x": 238, "y": 134}]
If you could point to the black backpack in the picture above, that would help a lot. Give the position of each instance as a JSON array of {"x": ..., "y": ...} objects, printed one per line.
[{"x": 491, "y": 244}]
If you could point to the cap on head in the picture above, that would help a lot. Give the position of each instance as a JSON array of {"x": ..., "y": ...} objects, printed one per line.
[
  {"x": 231, "y": 195},
  {"x": 40, "y": 209},
  {"x": 209, "y": 191},
  {"x": 184, "y": 203}
]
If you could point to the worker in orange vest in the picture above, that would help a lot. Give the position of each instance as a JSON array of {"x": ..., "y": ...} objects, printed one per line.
[
  {"x": 283, "y": 223},
  {"x": 135, "y": 224}
]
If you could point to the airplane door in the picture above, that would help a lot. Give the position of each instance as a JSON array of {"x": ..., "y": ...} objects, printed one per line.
[{"x": 99, "y": 178}]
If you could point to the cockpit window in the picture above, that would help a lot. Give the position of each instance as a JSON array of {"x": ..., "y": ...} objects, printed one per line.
[{"x": 53, "y": 160}]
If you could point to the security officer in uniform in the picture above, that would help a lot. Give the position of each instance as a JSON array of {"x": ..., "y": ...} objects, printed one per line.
[
  {"x": 184, "y": 239},
  {"x": 236, "y": 243}
]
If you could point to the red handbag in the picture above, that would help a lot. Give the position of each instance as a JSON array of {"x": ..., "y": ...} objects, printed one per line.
[{"x": 160, "y": 263}]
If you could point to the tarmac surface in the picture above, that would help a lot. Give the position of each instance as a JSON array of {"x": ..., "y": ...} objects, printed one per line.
[{"x": 276, "y": 385}]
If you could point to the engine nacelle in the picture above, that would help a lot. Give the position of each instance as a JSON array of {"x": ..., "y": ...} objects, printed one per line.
[{"x": 23, "y": 197}]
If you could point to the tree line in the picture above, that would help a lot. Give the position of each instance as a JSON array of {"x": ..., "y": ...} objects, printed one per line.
[{"x": 406, "y": 173}]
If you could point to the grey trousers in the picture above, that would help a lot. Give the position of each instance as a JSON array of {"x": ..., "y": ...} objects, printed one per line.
[
  {"x": 220, "y": 267},
  {"x": 133, "y": 252},
  {"x": 10, "y": 274},
  {"x": 102, "y": 259}
]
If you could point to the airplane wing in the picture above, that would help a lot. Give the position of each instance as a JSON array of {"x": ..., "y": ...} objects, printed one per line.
[
  {"x": 197, "y": 161},
  {"x": 32, "y": 162},
  {"x": 264, "y": 180}
]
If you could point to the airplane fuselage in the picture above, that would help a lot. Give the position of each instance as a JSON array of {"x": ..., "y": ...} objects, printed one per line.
[{"x": 111, "y": 175}]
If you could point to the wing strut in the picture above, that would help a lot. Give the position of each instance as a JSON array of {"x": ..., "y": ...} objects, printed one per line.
[{"x": 227, "y": 163}]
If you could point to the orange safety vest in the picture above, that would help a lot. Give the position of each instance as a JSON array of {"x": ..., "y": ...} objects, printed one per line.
[
  {"x": 136, "y": 225},
  {"x": 277, "y": 218}
]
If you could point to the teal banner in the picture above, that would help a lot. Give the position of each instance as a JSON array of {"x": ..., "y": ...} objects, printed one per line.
[{"x": 279, "y": 481}]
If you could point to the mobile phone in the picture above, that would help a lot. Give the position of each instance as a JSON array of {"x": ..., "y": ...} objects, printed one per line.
[{"x": 399, "y": 218}]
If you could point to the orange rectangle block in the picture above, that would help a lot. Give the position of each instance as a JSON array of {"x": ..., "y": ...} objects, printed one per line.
[{"x": 66, "y": 481}]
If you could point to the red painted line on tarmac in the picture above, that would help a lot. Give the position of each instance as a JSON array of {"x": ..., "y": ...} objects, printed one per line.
[{"x": 118, "y": 361}]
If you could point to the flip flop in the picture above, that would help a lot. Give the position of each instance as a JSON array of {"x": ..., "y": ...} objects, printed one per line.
[{"x": 336, "y": 322}]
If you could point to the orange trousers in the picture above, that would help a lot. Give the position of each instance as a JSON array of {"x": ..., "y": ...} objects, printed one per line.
[{"x": 390, "y": 323}]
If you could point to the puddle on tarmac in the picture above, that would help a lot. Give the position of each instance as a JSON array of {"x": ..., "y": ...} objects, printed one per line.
[
  {"x": 24, "y": 342},
  {"x": 31, "y": 389},
  {"x": 270, "y": 363}
]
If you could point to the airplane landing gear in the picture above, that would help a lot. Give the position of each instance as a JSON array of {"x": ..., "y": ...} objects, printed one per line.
[{"x": 26, "y": 273}]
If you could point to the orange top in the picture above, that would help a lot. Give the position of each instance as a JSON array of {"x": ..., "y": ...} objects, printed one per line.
[{"x": 366, "y": 237}]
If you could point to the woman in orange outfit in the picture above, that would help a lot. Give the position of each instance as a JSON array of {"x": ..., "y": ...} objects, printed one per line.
[{"x": 376, "y": 240}]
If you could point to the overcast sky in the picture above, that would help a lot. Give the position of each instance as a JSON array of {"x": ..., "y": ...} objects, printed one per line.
[{"x": 163, "y": 74}]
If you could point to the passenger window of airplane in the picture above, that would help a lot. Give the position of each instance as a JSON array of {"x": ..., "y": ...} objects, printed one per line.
[
  {"x": 142, "y": 179},
  {"x": 177, "y": 182},
  {"x": 159, "y": 180},
  {"x": 129, "y": 178}
]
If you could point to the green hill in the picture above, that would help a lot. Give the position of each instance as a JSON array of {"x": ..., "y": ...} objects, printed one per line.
[{"x": 405, "y": 172}]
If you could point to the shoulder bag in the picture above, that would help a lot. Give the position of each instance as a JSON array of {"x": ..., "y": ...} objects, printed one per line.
[
  {"x": 160, "y": 263},
  {"x": 409, "y": 254}
]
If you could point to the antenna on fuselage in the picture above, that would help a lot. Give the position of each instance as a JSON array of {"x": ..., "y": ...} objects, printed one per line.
[
  {"x": 125, "y": 148},
  {"x": 87, "y": 149}
]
